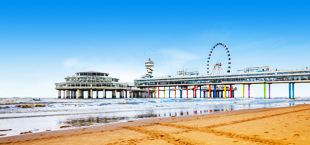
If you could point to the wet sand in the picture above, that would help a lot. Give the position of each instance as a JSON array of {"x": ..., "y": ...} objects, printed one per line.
[{"x": 288, "y": 125}]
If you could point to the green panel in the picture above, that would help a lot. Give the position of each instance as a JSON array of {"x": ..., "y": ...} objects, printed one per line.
[{"x": 265, "y": 91}]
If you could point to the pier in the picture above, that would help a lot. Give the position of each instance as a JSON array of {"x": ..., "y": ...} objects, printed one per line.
[
  {"x": 289, "y": 77},
  {"x": 215, "y": 84}
]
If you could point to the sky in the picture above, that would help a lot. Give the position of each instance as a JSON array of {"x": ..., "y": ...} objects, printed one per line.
[{"x": 42, "y": 42}]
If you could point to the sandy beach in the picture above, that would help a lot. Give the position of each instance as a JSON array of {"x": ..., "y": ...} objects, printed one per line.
[{"x": 288, "y": 125}]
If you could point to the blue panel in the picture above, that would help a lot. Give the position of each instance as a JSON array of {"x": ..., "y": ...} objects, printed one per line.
[
  {"x": 293, "y": 94},
  {"x": 289, "y": 87},
  {"x": 214, "y": 92},
  {"x": 181, "y": 92},
  {"x": 169, "y": 92}
]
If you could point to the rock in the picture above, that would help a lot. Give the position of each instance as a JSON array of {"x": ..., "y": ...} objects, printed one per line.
[
  {"x": 2, "y": 134},
  {"x": 64, "y": 126},
  {"x": 39, "y": 105},
  {"x": 30, "y": 106},
  {"x": 25, "y": 106},
  {"x": 6, "y": 130},
  {"x": 26, "y": 132}
]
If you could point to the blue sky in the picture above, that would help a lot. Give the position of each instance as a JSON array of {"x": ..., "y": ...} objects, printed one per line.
[{"x": 41, "y": 42}]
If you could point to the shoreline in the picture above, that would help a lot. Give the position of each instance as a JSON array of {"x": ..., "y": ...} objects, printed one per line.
[{"x": 123, "y": 125}]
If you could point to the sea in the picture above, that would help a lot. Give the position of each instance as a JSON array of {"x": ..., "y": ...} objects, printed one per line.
[{"x": 34, "y": 115}]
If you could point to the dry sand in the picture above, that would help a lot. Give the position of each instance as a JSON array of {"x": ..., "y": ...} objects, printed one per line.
[{"x": 289, "y": 125}]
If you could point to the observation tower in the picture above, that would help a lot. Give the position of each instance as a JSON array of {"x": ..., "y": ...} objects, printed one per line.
[{"x": 149, "y": 64}]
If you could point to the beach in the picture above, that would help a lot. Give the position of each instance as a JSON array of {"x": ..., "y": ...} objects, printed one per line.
[{"x": 286, "y": 125}]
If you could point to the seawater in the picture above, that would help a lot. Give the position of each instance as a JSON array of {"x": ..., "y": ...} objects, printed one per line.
[{"x": 88, "y": 112}]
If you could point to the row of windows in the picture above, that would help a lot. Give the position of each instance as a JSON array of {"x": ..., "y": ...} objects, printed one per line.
[
  {"x": 90, "y": 85},
  {"x": 241, "y": 75},
  {"x": 201, "y": 81},
  {"x": 91, "y": 79},
  {"x": 92, "y": 74}
]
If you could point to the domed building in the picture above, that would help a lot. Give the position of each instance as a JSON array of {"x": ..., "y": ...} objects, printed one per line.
[{"x": 75, "y": 86}]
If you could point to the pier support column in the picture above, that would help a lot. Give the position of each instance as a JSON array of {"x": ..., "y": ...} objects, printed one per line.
[
  {"x": 230, "y": 91},
  {"x": 264, "y": 90},
  {"x": 169, "y": 92},
  {"x": 154, "y": 92},
  {"x": 139, "y": 95},
  {"x": 289, "y": 88},
  {"x": 158, "y": 93},
  {"x": 224, "y": 91},
  {"x": 74, "y": 94},
  {"x": 243, "y": 90},
  {"x": 214, "y": 91},
  {"x": 148, "y": 92},
  {"x": 97, "y": 94},
  {"x": 103, "y": 94},
  {"x": 114, "y": 94},
  {"x": 194, "y": 91},
  {"x": 121, "y": 94},
  {"x": 164, "y": 92},
  {"x": 269, "y": 91},
  {"x": 79, "y": 92},
  {"x": 181, "y": 91},
  {"x": 200, "y": 91},
  {"x": 233, "y": 93},
  {"x": 88, "y": 92},
  {"x": 249, "y": 91},
  {"x": 187, "y": 91},
  {"x": 293, "y": 90},
  {"x": 91, "y": 94},
  {"x": 67, "y": 94},
  {"x": 195, "y": 87},
  {"x": 59, "y": 94},
  {"x": 209, "y": 91},
  {"x": 175, "y": 92}
]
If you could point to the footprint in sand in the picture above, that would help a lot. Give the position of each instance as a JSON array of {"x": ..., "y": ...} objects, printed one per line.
[
  {"x": 235, "y": 141},
  {"x": 266, "y": 132},
  {"x": 296, "y": 135},
  {"x": 255, "y": 135}
]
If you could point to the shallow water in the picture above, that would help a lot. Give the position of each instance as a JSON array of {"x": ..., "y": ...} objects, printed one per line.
[{"x": 79, "y": 113}]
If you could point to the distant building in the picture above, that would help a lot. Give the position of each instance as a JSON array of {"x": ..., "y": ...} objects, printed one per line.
[
  {"x": 255, "y": 69},
  {"x": 74, "y": 86}
]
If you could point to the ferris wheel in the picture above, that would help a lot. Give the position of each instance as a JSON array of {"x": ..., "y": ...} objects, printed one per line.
[{"x": 221, "y": 59}]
